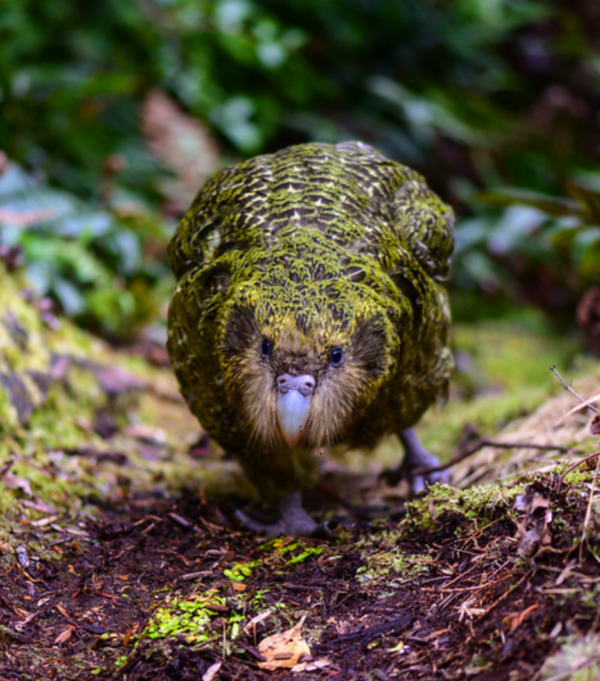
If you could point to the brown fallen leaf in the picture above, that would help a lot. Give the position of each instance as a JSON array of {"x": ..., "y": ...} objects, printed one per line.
[
  {"x": 212, "y": 671},
  {"x": 533, "y": 530},
  {"x": 311, "y": 666},
  {"x": 284, "y": 650},
  {"x": 65, "y": 635}
]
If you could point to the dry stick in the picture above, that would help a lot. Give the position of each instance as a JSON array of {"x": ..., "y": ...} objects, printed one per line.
[
  {"x": 484, "y": 442},
  {"x": 504, "y": 595},
  {"x": 568, "y": 387},
  {"x": 506, "y": 445}
]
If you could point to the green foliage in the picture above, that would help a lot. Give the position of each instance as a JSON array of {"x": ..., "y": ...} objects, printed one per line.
[
  {"x": 476, "y": 94},
  {"x": 72, "y": 83},
  {"x": 89, "y": 257},
  {"x": 494, "y": 77},
  {"x": 240, "y": 571},
  {"x": 190, "y": 618},
  {"x": 307, "y": 553},
  {"x": 529, "y": 233}
]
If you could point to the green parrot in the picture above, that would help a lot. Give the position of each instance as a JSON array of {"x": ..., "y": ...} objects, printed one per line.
[{"x": 308, "y": 313}]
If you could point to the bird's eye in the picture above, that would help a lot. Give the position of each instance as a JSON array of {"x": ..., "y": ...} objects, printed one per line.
[
  {"x": 336, "y": 356},
  {"x": 265, "y": 348}
]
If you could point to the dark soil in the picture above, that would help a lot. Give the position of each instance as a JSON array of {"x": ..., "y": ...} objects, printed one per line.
[
  {"x": 478, "y": 611},
  {"x": 111, "y": 569}
]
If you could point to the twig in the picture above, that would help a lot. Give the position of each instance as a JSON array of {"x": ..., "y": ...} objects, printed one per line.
[
  {"x": 366, "y": 635},
  {"x": 569, "y": 388},
  {"x": 504, "y": 595},
  {"x": 183, "y": 522},
  {"x": 480, "y": 444}
]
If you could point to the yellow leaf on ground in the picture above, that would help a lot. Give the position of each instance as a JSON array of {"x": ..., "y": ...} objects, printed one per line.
[{"x": 284, "y": 650}]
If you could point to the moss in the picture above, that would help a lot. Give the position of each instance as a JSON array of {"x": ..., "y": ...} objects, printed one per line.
[
  {"x": 394, "y": 563},
  {"x": 482, "y": 503},
  {"x": 493, "y": 384},
  {"x": 577, "y": 660}
]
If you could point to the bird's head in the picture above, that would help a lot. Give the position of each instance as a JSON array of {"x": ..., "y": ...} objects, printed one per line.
[{"x": 301, "y": 365}]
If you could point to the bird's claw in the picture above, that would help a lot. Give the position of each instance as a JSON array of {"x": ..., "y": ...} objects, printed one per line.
[
  {"x": 294, "y": 522},
  {"x": 270, "y": 529},
  {"x": 418, "y": 483},
  {"x": 290, "y": 527}
]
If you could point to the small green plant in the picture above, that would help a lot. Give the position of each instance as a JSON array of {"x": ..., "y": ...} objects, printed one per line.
[
  {"x": 240, "y": 571},
  {"x": 283, "y": 546},
  {"x": 190, "y": 618},
  {"x": 235, "y": 620},
  {"x": 306, "y": 553}
]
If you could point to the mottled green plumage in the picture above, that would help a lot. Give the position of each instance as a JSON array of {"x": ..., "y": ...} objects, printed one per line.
[{"x": 315, "y": 247}]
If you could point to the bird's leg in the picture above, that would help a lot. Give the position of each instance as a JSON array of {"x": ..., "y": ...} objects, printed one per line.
[
  {"x": 294, "y": 522},
  {"x": 415, "y": 457},
  {"x": 295, "y": 519}
]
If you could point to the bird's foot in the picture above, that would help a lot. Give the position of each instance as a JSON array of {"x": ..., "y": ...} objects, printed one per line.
[
  {"x": 417, "y": 457},
  {"x": 270, "y": 529},
  {"x": 294, "y": 522}
]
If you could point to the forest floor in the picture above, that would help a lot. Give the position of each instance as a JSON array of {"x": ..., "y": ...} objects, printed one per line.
[{"x": 121, "y": 556}]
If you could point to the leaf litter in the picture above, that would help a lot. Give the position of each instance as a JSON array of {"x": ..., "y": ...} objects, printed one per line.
[{"x": 133, "y": 567}]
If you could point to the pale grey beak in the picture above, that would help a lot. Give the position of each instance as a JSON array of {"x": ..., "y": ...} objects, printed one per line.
[{"x": 293, "y": 404}]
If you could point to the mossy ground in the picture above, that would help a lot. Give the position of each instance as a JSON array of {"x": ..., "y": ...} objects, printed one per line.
[{"x": 121, "y": 556}]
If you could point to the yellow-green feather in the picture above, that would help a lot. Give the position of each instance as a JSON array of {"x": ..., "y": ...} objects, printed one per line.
[{"x": 317, "y": 240}]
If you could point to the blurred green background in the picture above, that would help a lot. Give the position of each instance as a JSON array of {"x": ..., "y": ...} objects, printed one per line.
[{"x": 112, "y": 113}]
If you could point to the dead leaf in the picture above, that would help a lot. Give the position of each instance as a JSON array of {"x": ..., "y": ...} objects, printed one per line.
[
  {"x": 529, "y": 543},
  {"x": 533, "y": 529},
  {"x": 514, "y": 621},
  {"x": 115, "y": 380},
  {"x": 20, "y": 626},
  {"x": 42, "y": 522},
  {"x": 284, "y": 650},
  {"x": 64, "y": 635},
  {"x": 23, "y": 614},
  {"x": 312, "y": 666},
  {"x": 64, "y": 613},
  {"x": 212, "y": 671},
  {"x": 145, "y": 432},
  {"x": 183, "y": 144},
  {"x": 595, "y": 425},
  {"x": 583, "y": 405},
  {"x": 467, "y": 610}
]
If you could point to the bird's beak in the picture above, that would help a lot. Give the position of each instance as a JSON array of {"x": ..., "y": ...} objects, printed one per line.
[{"x": 293, "y": 405}]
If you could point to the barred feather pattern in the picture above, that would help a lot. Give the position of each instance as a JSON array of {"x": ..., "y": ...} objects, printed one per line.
[{"x": 314, "y": 247}]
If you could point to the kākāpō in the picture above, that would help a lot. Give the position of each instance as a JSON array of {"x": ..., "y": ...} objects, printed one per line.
[{"x": 308, "y": 312}]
